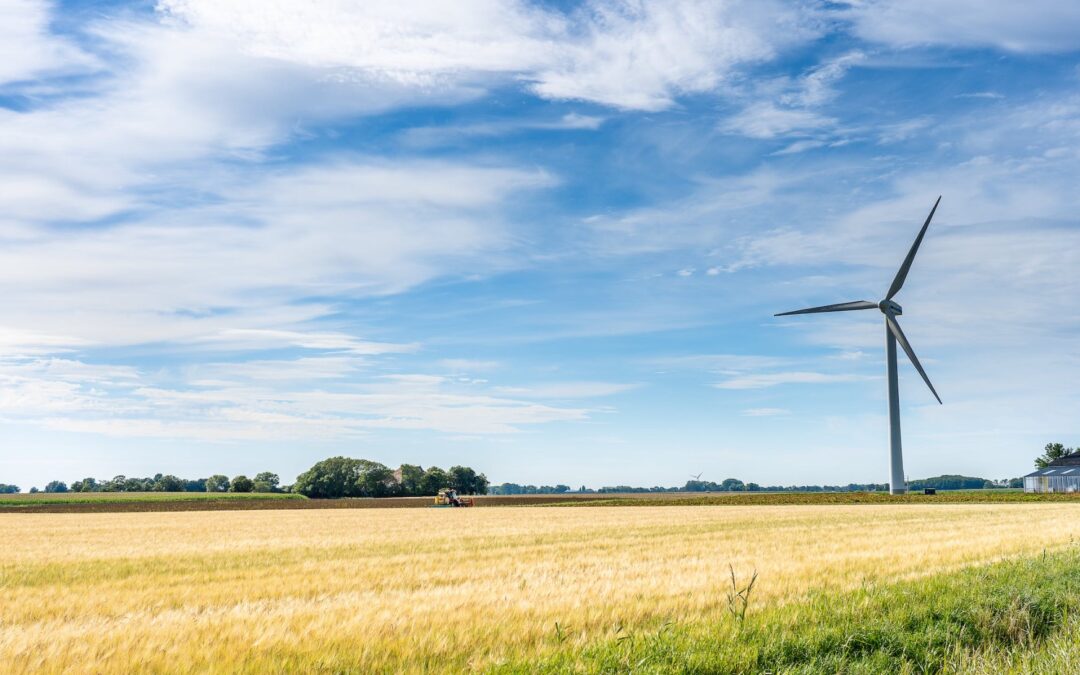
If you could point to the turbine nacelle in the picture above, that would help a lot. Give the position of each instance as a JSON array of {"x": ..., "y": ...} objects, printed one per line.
[{"x": 890, "y": 307}]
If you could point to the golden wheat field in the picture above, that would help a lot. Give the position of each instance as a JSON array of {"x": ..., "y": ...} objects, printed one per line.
[{"x": 444, "y": 590}]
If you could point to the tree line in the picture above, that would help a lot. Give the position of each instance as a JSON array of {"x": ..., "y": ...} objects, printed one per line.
[
  {"x": 331, "y": 478},
  {"x": 262, "y": 482},
  {"x": 347, "y": 477},
  {"x": 736, "y": 485}
]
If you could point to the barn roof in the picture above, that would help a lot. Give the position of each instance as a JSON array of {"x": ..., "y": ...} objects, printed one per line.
[
  {"x": 1056, "y": 471},
  {"x": 1058, "y": 466},
  {"x": 1068, "y": 460}
]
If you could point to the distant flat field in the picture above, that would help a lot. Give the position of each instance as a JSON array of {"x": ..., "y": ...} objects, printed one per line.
[
  {"x": 446, "y": 590},
  {"x": 108, "y": 502}
]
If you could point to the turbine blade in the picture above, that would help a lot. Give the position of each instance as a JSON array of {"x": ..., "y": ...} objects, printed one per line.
[
  {"x": 895, "y": 329},
  {"x": 842, "y": 307},
  {"x": 901, "y": 274}
]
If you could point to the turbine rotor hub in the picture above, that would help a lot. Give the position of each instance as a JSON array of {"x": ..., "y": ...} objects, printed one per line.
[{"x": 890, "y": 307}]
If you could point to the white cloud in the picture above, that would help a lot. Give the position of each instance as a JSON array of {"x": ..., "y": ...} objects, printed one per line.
[
  {"x": 577, "y": 121},
  {"x": 724, "y": 364},
  {"x": 643, "y": 55},
  {"x": 434, "y": 136},
  {"x": 902, "y": 131},
  {"x": 28, "y": 49},
  {"x": 792, "y": 107},
  {"x": 817, "y": 86},
  {"x": 318, "y": 397},
  {"x": 619, "y": 53},
  {"x": 800, "y": 146},
  {"x": 765, "y": 380},
  {"x": 765, "y": 412},
  {"x": 564, "y": 390},
  {"x": 255, "y": 339},
  {"x": 413, "y": 42},
  {"x": 229, "y": 272},
  {"x": 766, "y": 120},
  {"x": 701, "y": 220},
  {"x": 1033, "y": 26}
]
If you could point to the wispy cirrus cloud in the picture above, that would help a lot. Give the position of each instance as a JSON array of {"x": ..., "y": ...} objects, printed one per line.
[
  {"x": 765, "y": 412},
  {"x": 626, "y": 55},
  {"x": 568, "y": 390},
  {"x": 765, "y": 380},
  {"x": 1036, "y": 26},
  {"x": 29, "y": 49},
  {"x": 315, "y": 397}
]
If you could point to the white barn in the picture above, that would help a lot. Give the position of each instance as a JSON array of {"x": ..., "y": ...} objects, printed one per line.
[{"x": 1061, "y": 475}]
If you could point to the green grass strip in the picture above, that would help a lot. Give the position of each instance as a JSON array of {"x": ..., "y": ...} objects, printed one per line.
[{"x": 993, "y": 618}]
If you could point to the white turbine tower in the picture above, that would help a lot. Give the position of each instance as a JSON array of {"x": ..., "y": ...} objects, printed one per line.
[{"x": 893, "y": 334}]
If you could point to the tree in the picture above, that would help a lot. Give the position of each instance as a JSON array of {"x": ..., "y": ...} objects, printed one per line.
[
  {"x": 345, "y": 477},
  {"x": 462, "y": 479},
  {"x": 412, "y": 478},
  {"x": 217, "y": 483},
  {"x": 114, "y": 485},
  {"x": 481, "y": 483},
  {"x": 197, "y": 485},
  {"x": 1051, "y": 452},
  {"x": 434, "y": 480},
  {"x": 241, "y": 484},
  {"x": 6, "y": 489},
  {"x": 138, "y": 485},
  {"x": 56, "y": 486},
  {"x": 167, "y": 483},
  {"x": 950, "y": 482},
  {"x": 732, "y": 485},
  {"x": 34, "y": 490},
  {"x": 467, "y": 482},
  {"x": 85, "y": 485},
  {"x": 266, "y": 482}
]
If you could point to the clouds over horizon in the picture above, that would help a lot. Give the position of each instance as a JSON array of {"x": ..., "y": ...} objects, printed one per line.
[{"x": 244, "y": 221}]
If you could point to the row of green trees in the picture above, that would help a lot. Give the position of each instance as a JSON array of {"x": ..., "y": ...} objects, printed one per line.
[
  {"x": 515, "y": 489},
  {"x": 262, "y": 482},
  {"x": 736, "y": 485},
  {"x": 347, "y": 477},
  {"x": 331, "y": 478}
]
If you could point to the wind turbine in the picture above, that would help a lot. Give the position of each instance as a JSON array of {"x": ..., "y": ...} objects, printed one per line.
[{"x": 893, "y": 334}]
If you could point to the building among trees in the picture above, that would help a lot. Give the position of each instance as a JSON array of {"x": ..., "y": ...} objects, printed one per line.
[{"x": 1059, "y": 475}]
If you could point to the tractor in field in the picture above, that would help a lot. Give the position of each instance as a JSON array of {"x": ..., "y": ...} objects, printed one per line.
[{"x": 448, "y": 497}]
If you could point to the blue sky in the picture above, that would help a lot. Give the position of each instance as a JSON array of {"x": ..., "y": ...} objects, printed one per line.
[{"x": 542, "y": 239}]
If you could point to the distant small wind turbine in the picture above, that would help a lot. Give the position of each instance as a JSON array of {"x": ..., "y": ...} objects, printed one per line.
[
  {"x": 697, "y": 477},
  {"x": 893, "y": 334}
]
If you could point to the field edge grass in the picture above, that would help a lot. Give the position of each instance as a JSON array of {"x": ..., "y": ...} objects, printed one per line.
[{"x": 997, "y": 617}]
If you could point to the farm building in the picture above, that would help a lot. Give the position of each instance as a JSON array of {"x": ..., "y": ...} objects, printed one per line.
[{"x": 1061, "y": 475}]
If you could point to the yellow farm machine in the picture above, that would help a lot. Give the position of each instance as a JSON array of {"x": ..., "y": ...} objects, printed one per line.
[{"x": 448, "y": 498}]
